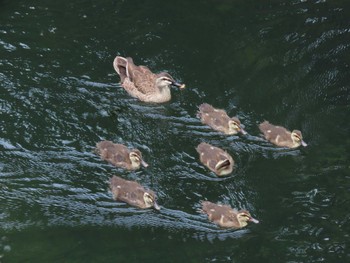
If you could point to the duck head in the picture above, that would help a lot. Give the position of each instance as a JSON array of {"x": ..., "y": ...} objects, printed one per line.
[
  {"x": 136, "y": 158},
  {"x": 244, "y": 217},
  {"x": 150, "y": 200},
  {"x": 235, "y": 126},
  {"x": 165, "y": 80},
  {"x": 298, "y": 138}
]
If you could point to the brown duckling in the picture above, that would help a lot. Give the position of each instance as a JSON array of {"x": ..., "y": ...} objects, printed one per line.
[
  {"x": 132, "y": 193},
  {"x": 226, "y": 217},
  {"x": 119, "y": 155},
  {"x": 216, "y": 159},
  {"x": 141, "y": 83},
  {"x": 219, "y": 120},
  {"x": 281, "y": 136}
]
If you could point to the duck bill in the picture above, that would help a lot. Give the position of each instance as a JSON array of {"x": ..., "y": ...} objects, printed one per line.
[
  {"x": 253, "y": 220},
  {"x": 303, "y": 143},
  {"x": 243, "y": 131},
  {"x": 156, "y": 206},
  {"x": 144, "y": 164},
  {"x": 179, "y": 85}
]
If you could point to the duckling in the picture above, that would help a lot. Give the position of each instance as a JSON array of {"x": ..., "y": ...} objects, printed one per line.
[
  {"x": 219, "y": 120},
  {"x": 281, "y": 136},
  {"x": 132, "y": 193},
  {"x": 120, "y": 156},
  {"x": 216, "y": 159},
  {"x": 226, "y": 217},
  {"x": 141, "y": 83}
]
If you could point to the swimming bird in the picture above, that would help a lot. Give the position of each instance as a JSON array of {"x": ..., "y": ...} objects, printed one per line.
[
  {"x": 216, "y": 159},
  {"x": 141, "y": 83},
  {"x": 226, "y": 217},
  {"x": 280, "y": 136},
  {"x": 219, "y": 120},
  {"x": 132, "y": 193},
  {"x": 120, "y": 156}
]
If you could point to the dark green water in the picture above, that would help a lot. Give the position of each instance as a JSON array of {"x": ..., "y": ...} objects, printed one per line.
[{"x": 283, "y": 61}]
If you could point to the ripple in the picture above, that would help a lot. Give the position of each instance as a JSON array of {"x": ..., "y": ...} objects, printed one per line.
[
  {"x": 287, "y": 62},
  {"x": 9, "y": 47},
  {"x": 4, "y": 246}
]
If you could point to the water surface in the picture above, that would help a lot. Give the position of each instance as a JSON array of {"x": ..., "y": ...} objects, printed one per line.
[{"x": 282, "y": 61}]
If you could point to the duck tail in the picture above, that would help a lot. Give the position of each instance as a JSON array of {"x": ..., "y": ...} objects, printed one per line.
[
  {"x": 264, "y": 126},
  {"x": 206, "y": 108},
  {"x": 206, "y": 206},
  {"x": 203, "y": 108},
  {"x": 120, "y": 65}
]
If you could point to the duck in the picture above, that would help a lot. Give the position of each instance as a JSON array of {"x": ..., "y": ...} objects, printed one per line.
[
  {"x": 120, "y": 156},
  {"x": 227, "y": 217},
  {"x": 141, "y": 83},
  {"x": 132, "y": 193},
  {"x": 219, "y": 120},
  {"x": 280, "y": 136},
  {"x": 216, "y": 159}
]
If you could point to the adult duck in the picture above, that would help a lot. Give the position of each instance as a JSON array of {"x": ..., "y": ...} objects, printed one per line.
[{"x": 142, "y": 83}]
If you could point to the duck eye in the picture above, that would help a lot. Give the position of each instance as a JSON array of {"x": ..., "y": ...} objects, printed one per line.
[
  {"x": 135, "y": 155},
  {"x": 150, "y": 199},
  {"x": 297, "y": 137}
]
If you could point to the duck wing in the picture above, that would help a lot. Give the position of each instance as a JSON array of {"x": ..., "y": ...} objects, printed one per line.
[
  {"x": 127, "y": 191},
  {"x": 271, "y": 132},
  {"x": 144, "y": 81}
]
